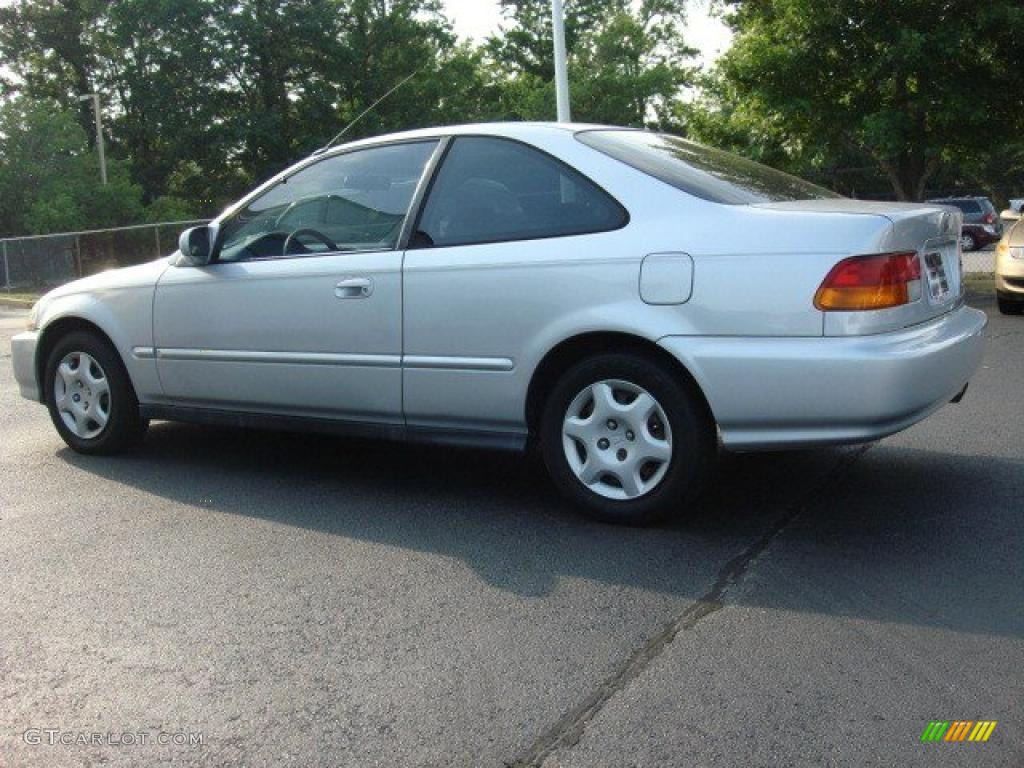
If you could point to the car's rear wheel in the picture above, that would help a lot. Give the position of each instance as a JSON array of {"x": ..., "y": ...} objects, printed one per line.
[
  {"x": 626, "y": 440},
  {"x": 967, "y": 242},
  {"x": 90, "y": 397},
  {"x": 1010, "y": 307}
]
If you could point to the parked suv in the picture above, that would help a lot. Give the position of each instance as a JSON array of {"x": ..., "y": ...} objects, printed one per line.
[{"x": 981, "y": 225}]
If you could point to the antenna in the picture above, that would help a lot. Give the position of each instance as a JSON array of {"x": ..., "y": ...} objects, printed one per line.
[{"x": 367, "y": 111}]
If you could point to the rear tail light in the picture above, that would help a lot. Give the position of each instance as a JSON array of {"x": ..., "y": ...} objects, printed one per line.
[
  {"x": 878, "y": 281},
  {"x": 990, "y": 218}
]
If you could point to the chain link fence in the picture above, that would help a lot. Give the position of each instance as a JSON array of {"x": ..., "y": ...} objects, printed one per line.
[
  {"x": 37, "y": 263},
  {"x": 980, "y": 261}
]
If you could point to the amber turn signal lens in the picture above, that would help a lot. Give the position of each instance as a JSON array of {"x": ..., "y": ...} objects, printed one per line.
[{"x": 878, "y": 281}]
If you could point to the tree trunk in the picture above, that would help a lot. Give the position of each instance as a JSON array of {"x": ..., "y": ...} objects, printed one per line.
[{"x": 908, "y": 174}]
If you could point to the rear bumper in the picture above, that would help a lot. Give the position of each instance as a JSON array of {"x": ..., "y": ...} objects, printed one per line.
[
  {"x": 23, "y": 358},
  {"x": 768, "y": 393}
]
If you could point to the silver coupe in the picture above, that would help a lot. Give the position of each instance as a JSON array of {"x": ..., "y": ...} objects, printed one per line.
[{"x": 626, "y": 301}]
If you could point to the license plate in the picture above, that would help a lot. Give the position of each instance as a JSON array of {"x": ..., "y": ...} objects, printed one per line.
[{"x": 938, "y": 283}]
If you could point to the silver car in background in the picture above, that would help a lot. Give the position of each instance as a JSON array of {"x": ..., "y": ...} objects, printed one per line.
[{"x": 627, "y": 301}]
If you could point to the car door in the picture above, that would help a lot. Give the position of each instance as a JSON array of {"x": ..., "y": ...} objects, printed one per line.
[
  {"x": 299, "y": 311},
  {"x": 510, "y": 243}
]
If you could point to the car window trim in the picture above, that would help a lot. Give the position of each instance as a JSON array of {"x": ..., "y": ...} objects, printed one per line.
[
  {"x": 423, "y": 188},
  {"x": 453, "y": 140},
  {"x": 311, "y": 161}
]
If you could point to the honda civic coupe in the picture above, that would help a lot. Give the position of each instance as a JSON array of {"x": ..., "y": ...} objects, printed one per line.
[{"x": 628, "y": 302}]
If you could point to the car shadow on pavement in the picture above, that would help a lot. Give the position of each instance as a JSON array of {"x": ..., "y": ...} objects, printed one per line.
[{"x": 888, "y": 535}]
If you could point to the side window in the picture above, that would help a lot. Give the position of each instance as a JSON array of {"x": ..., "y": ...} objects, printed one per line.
[
  {"x": 490, "y": 190},
  {"x": 348, "y": 202}
]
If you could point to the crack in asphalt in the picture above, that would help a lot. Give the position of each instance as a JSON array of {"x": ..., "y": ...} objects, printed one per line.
[{"x": 569, "y": 729}]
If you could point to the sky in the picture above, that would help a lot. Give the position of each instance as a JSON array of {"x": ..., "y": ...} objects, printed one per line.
[{"x": 478, "y": 18}]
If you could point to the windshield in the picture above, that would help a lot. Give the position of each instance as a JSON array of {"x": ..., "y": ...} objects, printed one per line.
[{"x": 707, "y": 173}]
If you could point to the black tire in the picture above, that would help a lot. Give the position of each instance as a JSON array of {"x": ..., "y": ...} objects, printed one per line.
[
  {"x": 124, "y": 427},
  {"x": 1010, "y": 307},
  {"x": 968, "y": 242},
  {"x": 693, "y": 444}
]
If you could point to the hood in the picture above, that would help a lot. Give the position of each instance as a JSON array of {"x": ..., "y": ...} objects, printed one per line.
[{"x": 138, "y": 276}]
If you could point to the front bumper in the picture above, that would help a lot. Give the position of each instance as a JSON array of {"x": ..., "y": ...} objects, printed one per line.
[
  {"x": 768, "y": 393},
  {"x": 1009, "y": 276},
  {"x": 23, "y": 357}
]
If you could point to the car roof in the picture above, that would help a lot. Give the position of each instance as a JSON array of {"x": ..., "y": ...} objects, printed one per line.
[{"x": 511, "y": 130}]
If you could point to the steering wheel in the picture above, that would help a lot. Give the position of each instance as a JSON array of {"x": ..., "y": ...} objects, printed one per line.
[{"x": 294, "y": 236}]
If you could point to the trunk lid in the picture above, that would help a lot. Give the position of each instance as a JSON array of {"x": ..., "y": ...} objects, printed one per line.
[{"x": 932, "y": 231}]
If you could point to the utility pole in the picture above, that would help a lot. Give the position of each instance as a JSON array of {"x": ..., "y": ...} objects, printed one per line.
[
  {"x": 561, "y": 67},
  {"x": 99, "y": 132}
]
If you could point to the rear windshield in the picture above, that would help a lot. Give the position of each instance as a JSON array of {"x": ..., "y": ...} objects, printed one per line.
[
  {"x": 967, "y": 206},
  {"x": 711, "y": 174}
]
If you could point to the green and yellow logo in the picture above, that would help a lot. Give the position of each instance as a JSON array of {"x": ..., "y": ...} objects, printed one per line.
[{"x": 958, "y": 730}]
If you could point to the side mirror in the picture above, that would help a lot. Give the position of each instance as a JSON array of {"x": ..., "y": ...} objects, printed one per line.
[{"x": 195, "y": 246}]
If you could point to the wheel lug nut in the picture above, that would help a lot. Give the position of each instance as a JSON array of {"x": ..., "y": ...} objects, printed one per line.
[
  {"x": 622, "y": 454},
  {"x": 603, "y": 443},
  {"x": 612, "y": 424}
]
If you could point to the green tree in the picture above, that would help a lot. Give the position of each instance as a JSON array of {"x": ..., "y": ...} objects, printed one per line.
[
  {"x": 162, "y": 79},
  {"x": 50, "y": 46},
  {"x": 627, "y": 63},
  {"x": 49, "y": 176},
  {"x": 384, "y": 41},
  {"x": 912, "y": 86}
]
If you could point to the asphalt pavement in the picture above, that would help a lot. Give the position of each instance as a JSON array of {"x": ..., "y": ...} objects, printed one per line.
[{"x": 296, "y": 600}]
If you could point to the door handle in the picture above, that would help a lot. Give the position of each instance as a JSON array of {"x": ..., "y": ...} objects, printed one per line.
[{"x": 354, "y": 288}]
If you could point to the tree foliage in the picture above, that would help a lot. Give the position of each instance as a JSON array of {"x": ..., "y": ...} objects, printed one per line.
[
  {"x": 49, "y": 175},
  {"x": 913, "y": 87},
  {"x": 627, "y": 62},
  {"x": 204, "y": 98}
]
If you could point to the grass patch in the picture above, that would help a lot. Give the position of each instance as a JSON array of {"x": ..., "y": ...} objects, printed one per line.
[
  {"x": 980, "y": 282},
  {"x": 19, "y": 298}
]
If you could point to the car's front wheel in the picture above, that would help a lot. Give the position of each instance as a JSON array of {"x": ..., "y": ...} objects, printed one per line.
[
  {"x": 625, "y": 439},
  {"x": 90, "y": 397}
]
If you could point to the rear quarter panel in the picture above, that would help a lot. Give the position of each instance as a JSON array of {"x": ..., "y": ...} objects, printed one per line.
[{"x": 755, "y": 274}]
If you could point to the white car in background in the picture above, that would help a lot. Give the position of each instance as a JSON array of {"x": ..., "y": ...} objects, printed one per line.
[
  {"x": 626, "y": 300},
  {"x": 1010, "y": 266}
]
